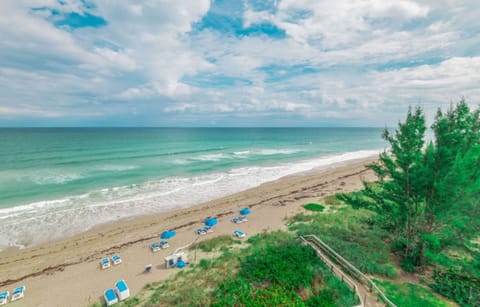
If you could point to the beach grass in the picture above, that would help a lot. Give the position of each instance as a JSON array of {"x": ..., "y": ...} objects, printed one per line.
[
  {"x": 350, "y": 233},
  {"x": 215, "y": 243},
  {"x": 408, "y": 294}
]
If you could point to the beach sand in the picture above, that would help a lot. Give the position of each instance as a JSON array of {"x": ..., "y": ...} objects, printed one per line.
[{"x": 67, "y": 272}]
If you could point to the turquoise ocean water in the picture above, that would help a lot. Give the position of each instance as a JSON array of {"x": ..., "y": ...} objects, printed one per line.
[{"x": 59, "y": 182}]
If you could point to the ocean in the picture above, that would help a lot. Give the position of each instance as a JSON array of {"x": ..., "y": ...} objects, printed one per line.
[{"x": 57, "y": 182}]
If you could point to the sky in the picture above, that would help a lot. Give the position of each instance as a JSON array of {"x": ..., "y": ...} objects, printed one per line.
[{"x": 234, "y": 62}]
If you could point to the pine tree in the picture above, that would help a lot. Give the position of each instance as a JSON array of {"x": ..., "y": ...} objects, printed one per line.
[{"x": 428, "y": 193}]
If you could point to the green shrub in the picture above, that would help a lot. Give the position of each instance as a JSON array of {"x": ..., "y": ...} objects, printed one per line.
[
  {"x": 205, "y": 263},
  {"x": 240, "y": 292},
  {"x": 314, "y": 207},
  {"x": 325, "y": 299},
  {"x": 458, "y": 285},
  {"x": 292, "y": 266}
]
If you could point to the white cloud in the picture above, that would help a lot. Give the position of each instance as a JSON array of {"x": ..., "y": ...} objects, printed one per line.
[
  {"x": 340, "y": 59},
  {"x": 342, "y": 22}
]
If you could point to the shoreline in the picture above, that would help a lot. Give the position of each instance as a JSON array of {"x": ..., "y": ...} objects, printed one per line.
[
  {"x": 52, "y": 219},
  {"x": 71, "y": 264}
]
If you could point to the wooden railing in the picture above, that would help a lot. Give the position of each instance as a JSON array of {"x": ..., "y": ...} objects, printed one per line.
[{"x": 349, "y": 268}]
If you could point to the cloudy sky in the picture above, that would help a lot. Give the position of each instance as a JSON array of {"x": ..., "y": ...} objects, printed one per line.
[{"x": 234, "y": 62}]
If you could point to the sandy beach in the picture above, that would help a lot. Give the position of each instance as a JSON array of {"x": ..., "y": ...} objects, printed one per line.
[{"x": 67, "y": 272}]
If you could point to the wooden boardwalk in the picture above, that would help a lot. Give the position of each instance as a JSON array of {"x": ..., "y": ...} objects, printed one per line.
[{"x": 368, "y": 293}]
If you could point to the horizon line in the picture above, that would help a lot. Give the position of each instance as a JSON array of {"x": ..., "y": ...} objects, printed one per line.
[{"x": 183, "y": 127}]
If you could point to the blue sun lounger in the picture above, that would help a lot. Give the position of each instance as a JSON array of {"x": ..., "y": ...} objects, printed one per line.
[
  {"x": 122, "y": 290},
  {"x": 239, "y": 234},
  {"x": 164, "y": 244},
  {"x": 110, "y": 297},
  {"x": 18, "y": 293},
  {"x": 116, "y": 259},
  {"x": 105, "y": 263},
  {"x": 4, "y": 297}
]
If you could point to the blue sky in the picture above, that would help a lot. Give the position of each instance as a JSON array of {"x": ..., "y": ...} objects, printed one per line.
[{"x": 234, "y": 62}]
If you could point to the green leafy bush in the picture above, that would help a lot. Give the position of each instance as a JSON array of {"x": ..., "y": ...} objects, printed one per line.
[
  {"x": 458, "y": 285},
  {"x": 240, "y": 292},
  {"x": 292, "y": 266},
  {"x": 314, "y": 207}
]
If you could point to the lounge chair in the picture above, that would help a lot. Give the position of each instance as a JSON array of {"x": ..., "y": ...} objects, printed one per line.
[
  {"x": 155, "y": 247},
  {"x": 18, "y": 293},
  {"x": 239, "y": 219},
  {"x": 110, "y": 297},
  {"x": 105, "y": 263},
  {"x": 122, "y": 290},
  {"x": 116, "y": 259},
  {"x": 4, "y": 297},
  {"x": 164, "y": 244},
  {"x": 208, "y": 229},
  {"x": 148, "y": 268},
  {"x": 201, "y": 231},
  {"x": 239, "y": 234}
]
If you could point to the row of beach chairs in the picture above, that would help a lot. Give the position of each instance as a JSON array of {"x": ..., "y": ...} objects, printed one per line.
[
  {"x": 18, "y": 293},
  {"x": 105, "y": 262},
  {"x": 204, "y": 230},
  {"x": 155, "y": 247},
  {"x": 120, "y": 293}
]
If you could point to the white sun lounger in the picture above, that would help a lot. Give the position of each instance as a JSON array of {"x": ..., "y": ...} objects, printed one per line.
[
  {"x": 155, "y": 247},
  {"x": 164, "y": 244},
  {"x": 116, "y": 259},
  {"x": 105, "y": 263},
  {"x": 239, "y": 219},
  {"x": 110, "y": 297},
  {"x": 18, "y": 293},
  {"x": 122, "y": 290},
  {"x": 4, "y": 297}
]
